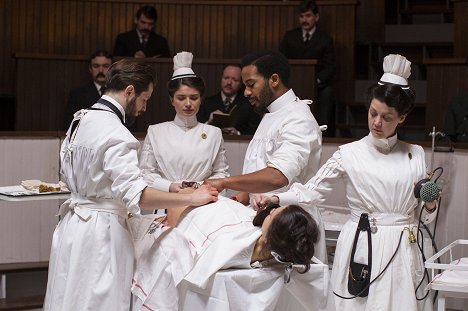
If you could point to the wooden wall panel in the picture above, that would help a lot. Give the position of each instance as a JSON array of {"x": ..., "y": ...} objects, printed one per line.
[
  {"x": 44, "y": 81},
  {"x": 460, "y": 26},
  {"x": 6, "y": 61},
  {"x": 370, "y": 21},
  {"x": 446, "y": 78},
  {"x": 209, "y": 29}
]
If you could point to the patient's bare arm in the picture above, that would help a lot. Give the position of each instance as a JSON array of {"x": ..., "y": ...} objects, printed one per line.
[{"x": 175, "y": 213}]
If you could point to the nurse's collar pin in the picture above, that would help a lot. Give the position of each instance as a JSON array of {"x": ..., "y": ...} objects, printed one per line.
[{"x": 203, "y": 135}]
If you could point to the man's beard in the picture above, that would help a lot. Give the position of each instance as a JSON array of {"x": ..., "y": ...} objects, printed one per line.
[
  {"x": 265, "y": 98},
  {"x": 130, "y": 112}
]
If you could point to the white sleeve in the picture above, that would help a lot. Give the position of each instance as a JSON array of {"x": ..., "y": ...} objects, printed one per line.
[
  {"x": 299, "y": 138},
  {"x": 316, "y": 189},
  {"x": 220, "y": 168},
  {"x": 150, "y": 167},
  {"x": 120, "y": 165}
]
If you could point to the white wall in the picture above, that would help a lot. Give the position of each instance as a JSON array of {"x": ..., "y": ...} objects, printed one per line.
[{"x": 26, "y": 227}]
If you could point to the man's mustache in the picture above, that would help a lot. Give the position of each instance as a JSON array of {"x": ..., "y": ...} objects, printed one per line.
[{"x": 100, "y": 74}]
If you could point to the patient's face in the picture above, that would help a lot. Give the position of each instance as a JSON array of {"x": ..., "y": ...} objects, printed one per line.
[
  {"x": 273, "y": 213},
  {"x": 186, "y": 101}
]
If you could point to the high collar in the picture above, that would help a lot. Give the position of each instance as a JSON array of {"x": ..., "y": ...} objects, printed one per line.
[
  {"x": 383, "y": 145},
  {"x": 281, "y": 101},
  {"x": 186, "y": 122},
  {"x": 116, "y": 104}
]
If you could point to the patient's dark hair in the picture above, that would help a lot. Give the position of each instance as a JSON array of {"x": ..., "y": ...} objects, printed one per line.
[
  {"x": 292, "y": 235},
  {"x": 263, "y": 213}
]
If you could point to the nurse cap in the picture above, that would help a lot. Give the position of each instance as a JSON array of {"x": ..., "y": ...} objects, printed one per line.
[
  {"x": 183, "y": 66},
  {"x": 397, "y": 70}
]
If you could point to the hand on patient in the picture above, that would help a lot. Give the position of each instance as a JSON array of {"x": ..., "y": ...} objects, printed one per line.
[
  {"x": 203, "y": 195},
  {"x": 217, "y": 183},
  {"x": 175, "y": 187},
  {"x": 260, "y": 201}
]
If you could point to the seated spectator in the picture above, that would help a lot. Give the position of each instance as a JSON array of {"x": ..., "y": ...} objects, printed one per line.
[
  {"x": 142, "y": 41},
  {"x": 231, "y": 100},
  {"x": 87, "y": 95},
  {"x": 309, "y": 42},
  {"x": 456, "y": 119}
]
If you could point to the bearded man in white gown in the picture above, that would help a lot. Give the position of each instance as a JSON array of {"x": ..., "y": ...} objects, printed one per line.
[{"x": 92, "y": 256}]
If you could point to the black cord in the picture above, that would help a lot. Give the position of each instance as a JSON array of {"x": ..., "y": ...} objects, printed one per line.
[
  {"x": 425, "y": 274},
  {"x": 440, "y": 168},
  {"x": 434, "y": 245},
  {"x": 367, "y": 286},
  {"x": 437, "y": 218}
]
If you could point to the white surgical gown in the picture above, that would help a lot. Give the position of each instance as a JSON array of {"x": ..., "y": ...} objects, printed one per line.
[
  {"x": 289, "y": 140},
  {"x": 92, "y": 257}
]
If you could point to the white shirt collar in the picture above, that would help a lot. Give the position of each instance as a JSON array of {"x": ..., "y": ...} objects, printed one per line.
[
  {"x": 223, "y": 97},
  {"x": 140, "y": 36},
  {"x": 284, "y": 99},
  {"x": 186, "y": 122},
  {"x": 311, "y": 33},
  {"x": 384, "y": 145},
  {"x": 116, "y": 104},
  {"x": 98, "y": 87}
]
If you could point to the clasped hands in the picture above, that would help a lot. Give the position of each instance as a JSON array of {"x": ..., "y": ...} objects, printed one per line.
[
  {"x": 201, "y": 194},
  {"x": 257, "y": 201}
]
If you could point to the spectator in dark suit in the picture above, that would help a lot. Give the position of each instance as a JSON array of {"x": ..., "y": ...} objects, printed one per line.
[
  {"x": 142, "y": 41},
  {"x": 309, "y": 42},
  {"x": 87, "y": 95},
  {"x": 456, "y": 119},
  {"x": 231, "y": 100}
]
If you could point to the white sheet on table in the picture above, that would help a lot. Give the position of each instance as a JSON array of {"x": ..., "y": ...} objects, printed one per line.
[
  {"x": 258, "y": 289},
  {"x": 454, "y": 277}
]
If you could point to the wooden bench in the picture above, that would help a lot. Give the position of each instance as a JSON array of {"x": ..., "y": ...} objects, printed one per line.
[{"x": 20, "y": 303}]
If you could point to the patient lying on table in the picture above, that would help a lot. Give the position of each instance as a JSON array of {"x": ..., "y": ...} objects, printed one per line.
[{"x": 192, "y": 244}]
